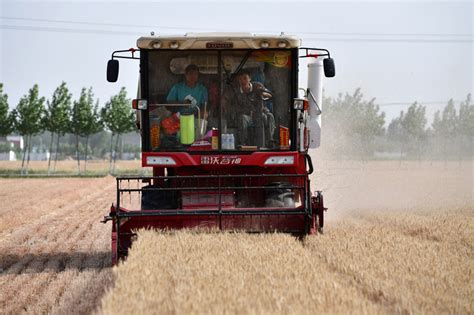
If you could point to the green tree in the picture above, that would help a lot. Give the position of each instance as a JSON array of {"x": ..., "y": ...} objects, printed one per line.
[
  {"x": 466, "y": 127},
  {"x": 84, "y": 120},
  {"x": 396, "y": 134},
  {"x": 94, "y": 125},
  {"x": 445, "y": 128},
  {"x": 413, "y": 124},
  {"x": 445, "y": 124},
  {"x": 6, "y": 118},
  {"x": 368, "y": 125},
  {"x": 29, "y": 120},
  {"x": 56, "y": 117},
  {"x": 352, "y": 123},
  {"x": 118, "y": 118},
  {"x": 395, "y": 130}
]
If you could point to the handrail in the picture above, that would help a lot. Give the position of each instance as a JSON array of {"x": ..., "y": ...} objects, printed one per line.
[
  {"x": 179, "y": 105},
  {"x": 218, "y": 185},
  {"x": 315, "y": 102}
]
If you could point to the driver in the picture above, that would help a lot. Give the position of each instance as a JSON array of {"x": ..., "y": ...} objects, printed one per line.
[
  {"x": 189, "y": 91},
  {"x": 247, "y": 103}
]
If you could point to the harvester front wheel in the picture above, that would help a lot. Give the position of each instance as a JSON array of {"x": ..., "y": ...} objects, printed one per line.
[{"x": 318, "y": 209}]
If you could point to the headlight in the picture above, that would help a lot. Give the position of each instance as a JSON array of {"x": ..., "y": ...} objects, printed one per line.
[
  {"x": 264, "y": 44},
  {"x": 160, "y": 160},
  {"x": 282, "y": 44},
  {"x": 280, "y": 160},
  {"x": 174, "y": 45},
  {"x": 156, "y": 45}
]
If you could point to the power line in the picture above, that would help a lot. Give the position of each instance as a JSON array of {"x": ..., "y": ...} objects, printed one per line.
[
  {"x": 321, "y": 39},
  {"x": 390, "y": 34},
  {"x": 226, "y": 30},
  {"x": 90, "y": 23},
  {"x": 392, "y": 40},
  {"x": 64, "y": 30}
]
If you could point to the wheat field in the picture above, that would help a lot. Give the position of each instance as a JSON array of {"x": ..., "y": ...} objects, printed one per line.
[{"x": 398, "y": 239}]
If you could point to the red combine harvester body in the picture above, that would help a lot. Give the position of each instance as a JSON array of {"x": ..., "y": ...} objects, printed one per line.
[{"x": 226, "y": 134}]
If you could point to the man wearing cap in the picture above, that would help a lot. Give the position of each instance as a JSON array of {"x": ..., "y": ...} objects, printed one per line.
[
  {"x": 189, "y": 91},
  {"x": 246, "y": 100}
]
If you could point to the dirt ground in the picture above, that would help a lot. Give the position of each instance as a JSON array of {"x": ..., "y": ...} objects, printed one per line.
[
  {"x": 397, "y": 239},
  {"x": 54, "y": 252},
  {"x": 71, "y": 166}
]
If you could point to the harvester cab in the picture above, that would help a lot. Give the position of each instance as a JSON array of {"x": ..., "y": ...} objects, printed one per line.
[{"x": 226, "y": 132}]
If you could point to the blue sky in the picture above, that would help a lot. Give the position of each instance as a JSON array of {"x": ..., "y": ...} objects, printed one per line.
[{"x": 397, "y": 52}]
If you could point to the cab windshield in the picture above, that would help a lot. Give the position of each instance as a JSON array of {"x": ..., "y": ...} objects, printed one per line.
[{"x": 219, "y": 100}]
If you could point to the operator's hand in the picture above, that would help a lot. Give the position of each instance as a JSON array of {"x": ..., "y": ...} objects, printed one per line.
[
  {"x": 266, "y": 95},
  {"x": 190, "y": 99}
]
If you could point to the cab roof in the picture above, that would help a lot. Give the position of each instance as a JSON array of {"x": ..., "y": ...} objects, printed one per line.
[{"x": 218, "y": 41}]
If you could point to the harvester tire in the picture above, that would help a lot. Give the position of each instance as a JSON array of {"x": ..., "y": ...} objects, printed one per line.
[{"x": 320, "y": 210}]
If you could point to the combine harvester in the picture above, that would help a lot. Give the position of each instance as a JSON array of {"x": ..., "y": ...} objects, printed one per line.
[{"x": 225, "y": 154}]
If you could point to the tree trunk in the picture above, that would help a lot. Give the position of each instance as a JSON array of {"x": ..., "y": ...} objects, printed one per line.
[
  {"x": 420, "y": 149},
  {"x": 50, "y": 153},
  {"x": 57, "y": 152},
  {"x": 77, "y": 156},
  {"x": 445, "y": 152},
  {"x": 85, "y": 159},
  {"x": 460, "y": 146},
  {"x": 401, "y": 154},
  {"x": 121, "y": 148},
  {"x": 116, "y": 149},
  {"x": 28, "y": 155},
  {"x": 25, "y": 145},
  {"x": 111, "y": 152}
]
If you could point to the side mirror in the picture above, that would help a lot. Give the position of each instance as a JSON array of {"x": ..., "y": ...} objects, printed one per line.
[
  {"x": 329, "y": 68},
  {"x": 112, "y": 70}
]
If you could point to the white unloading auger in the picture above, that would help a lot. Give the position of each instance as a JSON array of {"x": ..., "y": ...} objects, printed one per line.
[{"x": 315, "y": 95}]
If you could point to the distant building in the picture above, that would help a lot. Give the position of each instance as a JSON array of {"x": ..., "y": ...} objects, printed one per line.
[
  {"x": 7, "y": 156},
  {"x": 14, "y": 143}
]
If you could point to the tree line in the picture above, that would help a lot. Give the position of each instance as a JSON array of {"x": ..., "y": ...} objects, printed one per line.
[
  {"x": 61, "y": 115},
  {"x": 354, "y": 127}
]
